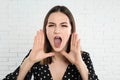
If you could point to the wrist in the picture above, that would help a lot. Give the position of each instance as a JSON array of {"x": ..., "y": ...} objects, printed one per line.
[
  {"x": 79, "y": 63},
  {"x": 24, "y": 68},
  {"x": 28, "y": 61}
]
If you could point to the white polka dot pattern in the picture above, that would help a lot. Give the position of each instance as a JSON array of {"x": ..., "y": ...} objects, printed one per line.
[{"x": 42, "y": 72}]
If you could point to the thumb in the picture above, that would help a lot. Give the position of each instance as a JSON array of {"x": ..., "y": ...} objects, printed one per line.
[
  {"x": 50, "y": 54},
  {"x": 64, "y": 53}
]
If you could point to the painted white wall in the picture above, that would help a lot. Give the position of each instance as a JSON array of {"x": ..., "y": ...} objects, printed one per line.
[{"x": 97, "y": 23}]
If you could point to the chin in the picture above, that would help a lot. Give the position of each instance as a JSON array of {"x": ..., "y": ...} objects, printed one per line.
[{"x": 57, "y": 49}]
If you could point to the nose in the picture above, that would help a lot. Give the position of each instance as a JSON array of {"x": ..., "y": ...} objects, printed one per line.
[{"x": 57, "y": 30}]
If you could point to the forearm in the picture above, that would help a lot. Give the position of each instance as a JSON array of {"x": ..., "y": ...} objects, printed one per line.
[
  {"x": 24, "y": 68},
  {"x": 83, "y": 70}
]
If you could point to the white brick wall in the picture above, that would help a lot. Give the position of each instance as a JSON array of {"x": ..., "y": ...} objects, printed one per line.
[{"x": 98, "y": 26}]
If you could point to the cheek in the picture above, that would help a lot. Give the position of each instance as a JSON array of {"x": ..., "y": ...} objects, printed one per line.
[
  {"x": 69, "y": 32},
  {"x": 67, "y": 35},
  {"x": 49, "y": 33}
]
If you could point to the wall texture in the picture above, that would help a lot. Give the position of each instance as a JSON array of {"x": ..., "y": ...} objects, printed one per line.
[{"x": 97, "y": 22}]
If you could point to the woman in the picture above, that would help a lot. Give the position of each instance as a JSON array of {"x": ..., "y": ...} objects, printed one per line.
[{"x": 56, "y": 52}]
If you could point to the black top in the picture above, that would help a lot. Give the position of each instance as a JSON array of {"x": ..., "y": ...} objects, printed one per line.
[{"x": 42, "y": 72}]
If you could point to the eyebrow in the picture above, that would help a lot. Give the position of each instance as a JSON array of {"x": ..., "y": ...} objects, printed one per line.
[
  {"x": 64, "y": 23},
  {"x": 60, "y": 23},
  {"x": 51, "y": 23}
]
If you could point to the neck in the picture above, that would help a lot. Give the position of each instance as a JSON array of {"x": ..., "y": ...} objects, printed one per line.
[{"x": 59, "y": 58}]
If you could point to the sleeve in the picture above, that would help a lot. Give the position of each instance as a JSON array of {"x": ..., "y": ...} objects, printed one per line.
[
  {"x": 14, "y": 74},
  {"x": 88, "y": 62}
]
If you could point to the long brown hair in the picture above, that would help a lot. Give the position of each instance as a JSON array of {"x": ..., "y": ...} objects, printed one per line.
[{"x": 47, "y": 46}]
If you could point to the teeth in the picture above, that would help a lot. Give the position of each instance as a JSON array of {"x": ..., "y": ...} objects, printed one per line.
[{"x": 57, "y": 37}]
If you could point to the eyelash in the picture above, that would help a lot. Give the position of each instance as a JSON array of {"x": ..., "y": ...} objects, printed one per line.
[
  {"x": 64, "y": 26},
  {"x": 50, "y": 25},
  {"x": 61, "y": 25}
]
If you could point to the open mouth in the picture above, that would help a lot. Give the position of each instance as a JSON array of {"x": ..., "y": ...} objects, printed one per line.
[{"x": 57, "y": 41}]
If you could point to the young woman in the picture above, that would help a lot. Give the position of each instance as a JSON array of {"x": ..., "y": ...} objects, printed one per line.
[{"x": 56, "y": 52}]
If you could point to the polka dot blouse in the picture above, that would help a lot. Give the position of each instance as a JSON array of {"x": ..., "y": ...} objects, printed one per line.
[{"x": 42, "y": 72}]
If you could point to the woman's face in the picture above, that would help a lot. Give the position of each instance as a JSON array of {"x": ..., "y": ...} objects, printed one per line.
[{"x": 58, "y": 30}]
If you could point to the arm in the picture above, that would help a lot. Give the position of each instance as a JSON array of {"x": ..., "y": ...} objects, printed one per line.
[
  {"x": 80, "y": 59},
  {"x": 36, "y": 55},
  {"x": 13, "y": 75},
  {"x": 24, "y": 68},
  {"x": 87, "y": 60},
  {"x": 82, "y": 68},
  {"x": 75, "y": 56}
]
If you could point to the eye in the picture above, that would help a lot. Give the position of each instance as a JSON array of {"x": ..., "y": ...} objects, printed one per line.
[
  {"x": 50, "y": 25},
  {"x": 64, "y": 26}
]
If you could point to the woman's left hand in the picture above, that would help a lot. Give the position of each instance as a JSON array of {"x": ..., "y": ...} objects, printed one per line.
[{"x": 74, "y": 56}]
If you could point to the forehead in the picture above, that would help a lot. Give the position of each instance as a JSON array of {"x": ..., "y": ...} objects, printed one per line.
[{"x": 58, "y": 17}]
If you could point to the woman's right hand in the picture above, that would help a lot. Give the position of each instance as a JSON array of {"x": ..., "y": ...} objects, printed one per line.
[{"x": 38, "y": 53}]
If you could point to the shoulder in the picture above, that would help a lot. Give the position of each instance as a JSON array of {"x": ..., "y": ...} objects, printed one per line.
[{"x": 84, "y": 54}]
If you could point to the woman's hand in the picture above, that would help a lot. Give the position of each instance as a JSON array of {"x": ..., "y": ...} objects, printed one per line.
[
  {"x": 74, "y": 56},
  {"x": 37, "y": 53}
]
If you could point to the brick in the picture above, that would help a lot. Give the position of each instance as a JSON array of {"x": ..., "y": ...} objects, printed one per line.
[{"x": 97, "y": 22}]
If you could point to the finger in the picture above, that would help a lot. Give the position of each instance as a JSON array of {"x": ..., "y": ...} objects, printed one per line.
[
  {"x": 49, "y": 54},
  {"x": 38, "y": 40},
  {"x": 78, "y": 44},
  {"x": 64, "y": 53},
  {"x": 35, "y": 38},
  {"x": 76, "y": 40},
  {"x": 38, "y": 34},
  {"x": 71, "y": 41},
  {"x": 43, "y": 38}
]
